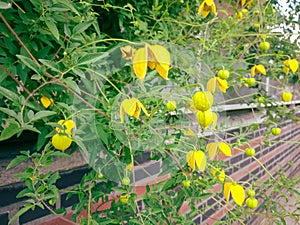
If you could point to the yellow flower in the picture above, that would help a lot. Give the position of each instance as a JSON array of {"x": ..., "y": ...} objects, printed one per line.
[
  {"x": 61, "y": 141},
  {"x": 171, "y": 105},
  {"x": 198, "y": 158},
  {"x": 236, "y": 191},
  {"x": 152, "y": 56},
  {"x": 258, "y": 69},
  {"x": 129, "y": 166},
  {"x": 203, "y": 100},
  {"x": 217, "y": 81},
  {"x": 286, "y": 96},
  {"x": 132, "y": 107},
  {"x": 63, "y": 137},
  {"x": 206, "y": 7},
  {"x": 205, "y": 118},
  {"x": 247, "y": 2},
  {"x": 213, "y": 147},
  {"x": 46, "y": 102},
  {"x": 291, "y": 64},
  {"x": 68, "y": 127},
  {"x": 219, "y": 173},
  {"x": 239, "y": 15}
]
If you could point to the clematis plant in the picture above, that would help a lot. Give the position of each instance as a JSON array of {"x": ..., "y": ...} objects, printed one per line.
[
  {"x": 196, "y": 158},
  {"x": 62, "y": 140},
  {"x": 213, "y": 148},
  {"x": 236, "y": 191},
  {"x": 256, "y": 69},
  {"x": 291, "y": 64}
]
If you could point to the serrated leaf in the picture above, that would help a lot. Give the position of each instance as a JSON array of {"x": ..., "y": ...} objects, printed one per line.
[{"x": 52, "y": 27}]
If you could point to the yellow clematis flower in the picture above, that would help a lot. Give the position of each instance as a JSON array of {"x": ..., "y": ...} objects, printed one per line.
[
  {"x": 258, "y": 69},
  {"x": 206, "y": 7},
  {"x": 247, "y": 2},
  {"x": 152, "y": 56},
  {"x": 219, "y": 173},
  {"x": 291, "y": 64},
  {"x": 236, "y": 191},
  {"x": 46, "y": 102},
  {"x": 203, "y": 100},
  {"x": 61, "y": 141},
  {"x": 63, "y": 137},
  {"x": 198, "y": 158},
  {"x": 132, "y": 107},
  {"x": 217, "y": 82},
  {"x": 204, "y": 118},
  {"x": 213, "y": 147},
  {"x": 286, "y": 96}
]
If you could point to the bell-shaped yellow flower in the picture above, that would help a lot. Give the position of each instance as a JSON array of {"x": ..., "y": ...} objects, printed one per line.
[
  {"x": 203, "y": 100},
  {"x": 152, "y": 56},
  {"x": 286, "y": 96},
  {"x": 258, "y": 69},
  {"x": 63, "y": 137},
  {"x": 291, "y": 64},
  {"x": 61, "y": 141},
  {"x": 213, "y": 148},
  {"x": 198, "y": 158},
  {"x": 236, "y": 191},
  {"x": 205, "y": 118},
  {"x": 46, "y": 102},
  {"x": 132, "y": 107},
  {"x": 219, "y": 173},
  {"x": 247, "y": 2},
  {"x": 206, "y": 7},
  {"x": 68, "y": 127},
  {"x": 217, "y": 82}
]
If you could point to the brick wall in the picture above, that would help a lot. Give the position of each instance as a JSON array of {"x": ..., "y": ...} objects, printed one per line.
[{"x": 242, "y": 168}]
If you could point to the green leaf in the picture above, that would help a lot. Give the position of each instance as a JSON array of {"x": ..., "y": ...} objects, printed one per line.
[
  {"x": 79, "y": 28},
  {"x": 9, "y": 131},
  {"x": 54, "y": 177},
  {"x": 20, "y": 212},
  {"x": 16, "y": 161},
  {"x": 92, "y": 58},
  {"x": 29, "y": 63},
  {"x": 9, "y": 94},
  {"x": 42, "y": 114},
  {"x": 72, "y": 84},
  {"x": 67, "y": 4},
  {"x": 50, "y": 64},
  {"x": 25, "y": 193},
  {"x": 52, "y": 27},
  {"x": 10, "y": 113}
]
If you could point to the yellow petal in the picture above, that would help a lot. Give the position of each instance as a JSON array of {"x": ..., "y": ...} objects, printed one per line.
[
  {"x": 225, "y": 149},
  {"x": 212, "y": 148},
  {"x": 200, "y": 160},
  {"x": 237, "y": 193},
  {"x": 243, "y": 2},
  {"x": 253, "y": 71},
  {"x": 286, "y": 69},
  {"x": 293, "y": 64},
  {"x": 46, "y": 102},
  {"x": 143, "y": 108},
  {"x": 129, "y": 106},
  {"x": 214, "y": 9},
  {"x": 261, "y": 69},
  {"x": 214, "y": 119},
  {"x": 205, "y": 13},
  {"x": 211, "y": 85},
  {"x": 68, "y": 127},
  {"x": 204, "y": 118},
  {"x": 191, "y": 160},
  {"x": 222, "y": 84},
  {"x": 140, "y": 63},
  {"x": 162, "y": 57},
  {"x": 188, "y": 132},
  {"x": 137, "y": 111},
  {"x": 61, "y": 142},
  {"x": 218, "y": 172},
  {"x": 286, "y": 96},
  {"x": 129, "y": 166},
  {"x": 200, "y": 9},
  {"x": 151, "y": 65},
  {"x": 227, "y": 187},
  {"x": 127, "y": 52}
]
